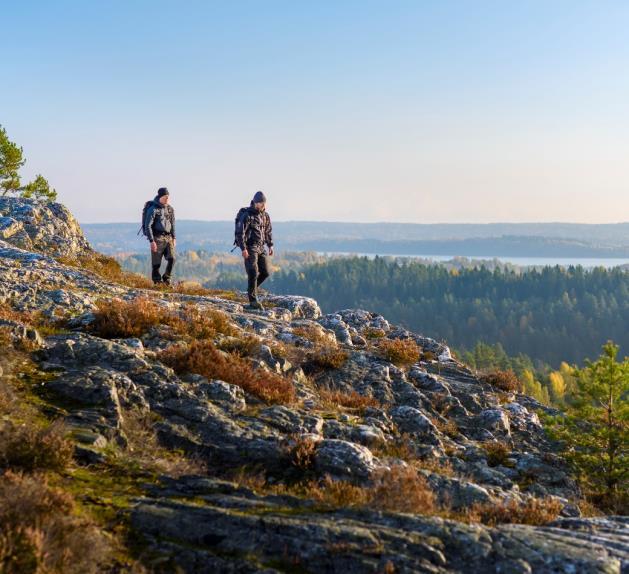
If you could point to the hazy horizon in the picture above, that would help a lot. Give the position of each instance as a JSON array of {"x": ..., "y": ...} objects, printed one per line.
[{"x": 358, "y": 111}]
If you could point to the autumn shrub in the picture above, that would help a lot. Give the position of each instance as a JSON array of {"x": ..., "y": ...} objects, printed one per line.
[
  {"x": 115, "y": 318},
  {"x": 29, "y": 447},
  {"x": 398, "y": 489},
  {"x": 402, "y": 489},
  {"x": 535, "y": 512},
  {"x": 244, "y": 346},
  {"x": 399, "y": 351},
  {"x": 503, "y": 380},
  {"x": 109, "y": 269},
  {"x": 327, "y": 357},
  {"x": 201, "y": 323},
  {"x": 373, "y": 333},
  {"x": 314, "y": 334},
  {"x": 351, "y": 400},
  {"x": 447, "y": 427},
  {"x": 497, "y": 453},
  {"x": 301, "y": 453},
  {"x": 40, "y": 532},
  {"x": 203, "y": 358}
]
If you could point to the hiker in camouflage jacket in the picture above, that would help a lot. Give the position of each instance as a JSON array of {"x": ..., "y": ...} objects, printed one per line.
[{"x": 254, "y": 232}]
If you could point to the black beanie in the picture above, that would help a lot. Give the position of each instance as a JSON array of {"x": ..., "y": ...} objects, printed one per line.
[
  {"x": 162, "y": 191},
  {"x": 259, "y": 197}
]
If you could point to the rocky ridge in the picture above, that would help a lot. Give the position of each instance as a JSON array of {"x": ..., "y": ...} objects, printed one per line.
[{"x": 444, "y": 414}]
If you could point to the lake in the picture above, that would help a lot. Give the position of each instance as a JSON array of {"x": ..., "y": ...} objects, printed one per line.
[{"x": 585, "y": 262}]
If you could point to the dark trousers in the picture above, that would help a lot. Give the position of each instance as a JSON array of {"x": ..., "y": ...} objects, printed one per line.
[
  {"x": 165, "y": 250},
  {"x": 258, "y": 269}
]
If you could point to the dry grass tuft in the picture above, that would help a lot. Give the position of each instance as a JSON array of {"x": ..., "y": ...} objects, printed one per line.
[
  {"x": 115, "y": 318},
  {"x": 109, "y": 269},
  {"x": 145, "y": 451},
  {"x": 327, "y": 357},
  {"x": 497, "y": 453},
  {"x": 400, "y": 352},
  {"x": 333, "y": 399},
  {"x": 399, "y": 489},
  {"x": 302, "y": 453},
  {"x": 40, "y": 533},
  {"x": 314, "y": 334},
  {"x": 373, "y": 333},
  {"x": 203, "y": 358},
  {"x": 535, "y": 512},
  {"x": 245, "y": 346},
  {"x": 503, "y": 380},
  {"x": 29, "y": 447}
]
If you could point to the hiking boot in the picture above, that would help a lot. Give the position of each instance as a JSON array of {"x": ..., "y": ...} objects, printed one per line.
[
  {"x": 256, "y": 305},
  {"x": 166, "y": 281}
]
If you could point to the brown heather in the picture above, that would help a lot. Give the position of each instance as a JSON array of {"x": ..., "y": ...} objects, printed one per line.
[
  {"x": 29, "y": 447},
  {"x": 400, "y": 352},
  {"x": 399, "y": 489},
  {"x": 115, "y": 318},
  {"x": 244, "y": 346},
  {"x": 302, "y": 453},
  {"x": 334, "y": 399},
  {"x": 503, "y": 380},
  {"x": 497, "y": 453},
  {"x": 203, "y": 358},
  {"x": 327, "y": 357},
  {"x": 535, "y": 512},
  {"x": 108, "y": 268},
  {"x": 40, "y": 532}
]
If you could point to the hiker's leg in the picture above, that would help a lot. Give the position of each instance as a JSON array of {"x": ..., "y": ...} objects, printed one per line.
[
  {"x": 156, "y": 261},
  {"x": 169, "y": 253},
  {"x": 251, "y": 265},
  {"x": 264, "y": 268}
]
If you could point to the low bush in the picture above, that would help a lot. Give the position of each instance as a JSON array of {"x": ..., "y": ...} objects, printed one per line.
[
  {"x": 313, "y": 333},
  {"x": 535, "y": 512},
  {"x": 302, "y": 453},
  {"x": 244, "y": 346},
  {"x": 399, "y": 489},
  {"x": 351, "y": 400},
  {"x": 372, "y": 333},
  {"x": 40, "y": 532},
  {"x": 327, "y": 357},
  {"x": 400, "y": 352},
  {"x": 115, "y": 318},
  {"x": 497, "y": 453},
  {"x": 503, "y": 380},
  {"x": 109, "y": 269},
  {"x": 203, "y": 358},
  {"x": 28, "y": 447}
]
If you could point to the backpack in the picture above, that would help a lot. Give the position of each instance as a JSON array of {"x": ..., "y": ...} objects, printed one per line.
[
  {"x": 239, "y": 216},
  {"x": 143, "y": 229}
]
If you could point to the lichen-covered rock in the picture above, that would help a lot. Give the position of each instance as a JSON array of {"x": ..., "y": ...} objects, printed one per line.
[
  {"x": 343, "y": 459},
  {"x": 48, "y": 227}
]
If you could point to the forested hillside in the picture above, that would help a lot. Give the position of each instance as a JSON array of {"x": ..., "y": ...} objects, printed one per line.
[{"x": 551, "y": 315}]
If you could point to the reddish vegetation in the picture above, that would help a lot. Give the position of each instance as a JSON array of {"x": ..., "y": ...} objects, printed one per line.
[
  {"x": 203, "y": 358},
  {"x": 399, "y": 351},
  {"x": 503, "y": 380}
]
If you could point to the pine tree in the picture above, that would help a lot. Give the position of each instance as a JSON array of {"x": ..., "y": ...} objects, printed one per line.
[
  {"x": 595, "y": 429},
  {"x": 11, "y": 161},
  {"x": 39, "y": 188}
]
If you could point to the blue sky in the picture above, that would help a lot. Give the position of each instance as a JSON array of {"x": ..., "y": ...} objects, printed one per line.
[{"x": 443, "y": 111}]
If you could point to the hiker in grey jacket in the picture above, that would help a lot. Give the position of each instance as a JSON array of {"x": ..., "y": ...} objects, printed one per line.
[
  {"x": 159, "y": 228},
  {"x": 254, "y": 232}
]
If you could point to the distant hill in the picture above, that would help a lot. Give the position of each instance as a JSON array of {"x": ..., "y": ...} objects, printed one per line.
[{"x": 493, "y": 239}]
